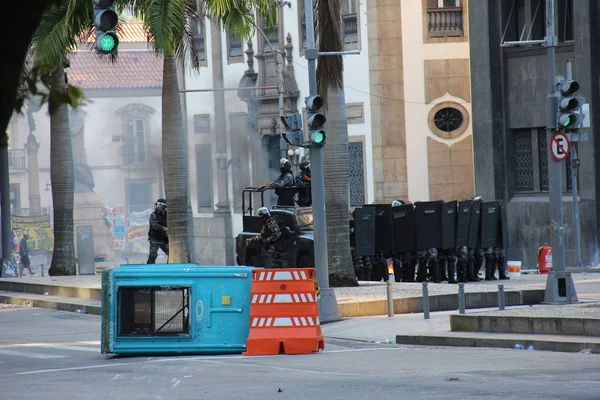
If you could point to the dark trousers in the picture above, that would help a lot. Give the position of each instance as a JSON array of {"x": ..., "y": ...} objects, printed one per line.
[{"x": 154, "y": 246}]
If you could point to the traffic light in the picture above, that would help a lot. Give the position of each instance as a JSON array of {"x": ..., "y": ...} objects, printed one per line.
[
  {"x": 315, "y": 121},
  {"x": 106, "y": 19},
  {"x": 293, "y": 129},
  {"x": 569, "y": 114}
]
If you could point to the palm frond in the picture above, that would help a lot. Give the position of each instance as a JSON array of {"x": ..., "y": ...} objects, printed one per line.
[{"x": 330, "y": 69}]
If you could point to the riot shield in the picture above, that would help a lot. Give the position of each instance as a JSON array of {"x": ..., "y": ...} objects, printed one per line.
[
  {"x": 364, "y": 228},
  {"x": 475, "y": 225},
  {"x": 501, "y": 238},
  {"x": 489, "y": 224},
  {"x": 462, "y": 224},
  {"x": 384, "y": 235},
  {"x": 449, "y": 225},
  {"x": 429, "y": 224},
  {"x": 404, "y": 225}
]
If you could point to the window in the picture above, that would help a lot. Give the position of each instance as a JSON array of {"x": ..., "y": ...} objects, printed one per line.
[
  {"x": 15, "y": 198},
  {"x": 139, "y": 196},
  {"x": 350, "y": 21},
  {"x": 530, "y": 162},
  {"x": 134, "y": 149},
  {"x": 235, "y": 51},
  {"x": 272, "y": 36},
  {"x": 136, "y": 136},
  {"x": 204, "y": 175},
  {"x": 444, "y": 18},
  {"x": 448, "y": 119},
  {"x": 198, "y": 32},
  {"x": 525, "y": 20},
  {"x": 202, "y": 123},
  {"x": 153, "y": 311}
]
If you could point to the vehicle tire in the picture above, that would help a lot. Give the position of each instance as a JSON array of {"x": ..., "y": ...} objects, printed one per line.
[{"x": 306, "y": 261}]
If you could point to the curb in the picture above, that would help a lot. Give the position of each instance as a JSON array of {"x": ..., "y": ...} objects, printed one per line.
[
  {"x": 442, "y": 302},
  {"x": 52, "y": 290},
  {"x": 574, "y": 346},
  {"x": 526, "y": 325},
  {"x": 51, "y": 304}
]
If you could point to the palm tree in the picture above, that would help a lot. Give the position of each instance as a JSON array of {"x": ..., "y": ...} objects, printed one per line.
[
  {"x": 61, "y": 24},
  {"x": 330, "y": 81},
  {"x": 169, "y": 31}
]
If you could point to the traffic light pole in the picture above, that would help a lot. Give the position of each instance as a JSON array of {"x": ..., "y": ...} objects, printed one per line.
[
  {"x": 559, "y": 285},
  {"x": 328, "y": 307}
]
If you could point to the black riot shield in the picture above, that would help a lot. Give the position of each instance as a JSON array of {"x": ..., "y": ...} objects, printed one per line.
[
  {"x": 449, "y": 225},
  {"x": 384, "y": 235},
  {"x": 474, "y": 225},
  {"x": 501, "y": 238},
  {"x": 463, "y": 218},
  {"x": 489, "y": 224},
  {"x": 364, "y": 228},
  {"x": 429, "y": 224},
  {"x": 404, "y": 226}
]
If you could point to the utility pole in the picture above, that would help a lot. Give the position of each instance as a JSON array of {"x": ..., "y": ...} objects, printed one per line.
[
  {"x": 328, "y": 307},
  {"x": 5, "y": 202},
  {"x": 559, "y": 285}
]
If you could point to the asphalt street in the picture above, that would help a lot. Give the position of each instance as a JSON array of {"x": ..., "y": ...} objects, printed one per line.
[{"x": 55, "y": 355}]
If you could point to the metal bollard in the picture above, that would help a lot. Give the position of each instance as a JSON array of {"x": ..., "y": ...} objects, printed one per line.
[
  {"x": 390, "y": 297},
  {"x": 461, "y": 298},
  {"x": 500, "y": 297},
  {"x": 425, "y": 301},
  {"x": 41, "y": 269}
]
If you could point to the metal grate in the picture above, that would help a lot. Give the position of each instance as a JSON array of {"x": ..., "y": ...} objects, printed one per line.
[
  {"x": 543, "y": 159},
  {"x": 357, "y": 174},
  {"x": 153, "y": 311},
  {"x": 523, "y": 161}
]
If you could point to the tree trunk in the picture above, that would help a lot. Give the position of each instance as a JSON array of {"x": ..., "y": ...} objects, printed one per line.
[
  {"x": 335, "y": 155},
  {"x": 29, "y": 14},
  {"x": 63, "y": 185},
  {"x": 175, "y": 164}
]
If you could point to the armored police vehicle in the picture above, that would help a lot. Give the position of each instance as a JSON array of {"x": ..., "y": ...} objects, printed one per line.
[{"x": 295, "y": 246}]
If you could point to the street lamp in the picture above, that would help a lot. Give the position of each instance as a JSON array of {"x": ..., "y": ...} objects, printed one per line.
[{"x": 294, "y": 157}]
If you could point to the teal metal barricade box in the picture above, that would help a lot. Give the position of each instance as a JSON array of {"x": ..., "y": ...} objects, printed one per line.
[{"x": 175, "y": 309}]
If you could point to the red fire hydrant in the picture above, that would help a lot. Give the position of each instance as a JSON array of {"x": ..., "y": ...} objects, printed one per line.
[{"x": 544, "y": 259}]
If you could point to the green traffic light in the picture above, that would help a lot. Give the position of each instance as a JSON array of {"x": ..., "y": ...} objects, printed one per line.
[
  {"x": 107, "y": 43},
  {"x": 318, "y": 138},
  {"x": 567, "y": 122}
]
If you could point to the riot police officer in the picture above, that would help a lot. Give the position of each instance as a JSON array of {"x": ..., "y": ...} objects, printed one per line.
[
  {"x": 303, "y": 182},
  {"x": 269, "y": 234},
  {"x": 283, "y": 183},
  {"x": 158, "y": 232}
]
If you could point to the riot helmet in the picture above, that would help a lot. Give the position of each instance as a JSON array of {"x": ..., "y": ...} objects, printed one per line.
[
  {"x": 264, "y": 212},
  {"x": 397, "y": 203},
  {"x": 160, "y": 205},
  {"x": 305, "y": 166},
  {"x": 285, "y": 165}
]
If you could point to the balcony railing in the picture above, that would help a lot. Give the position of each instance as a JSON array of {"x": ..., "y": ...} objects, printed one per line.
[
  {"x": 136, "y": 154},
  {"x": 17, "y": 159},
  {"x": 445, "y": 22},
  {"x": 350, "y": 28}
]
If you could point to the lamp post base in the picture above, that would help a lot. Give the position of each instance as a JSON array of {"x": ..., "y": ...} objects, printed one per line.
[
  {"x": 560, "y": 289},
  {"x": 328, "y": 306}
]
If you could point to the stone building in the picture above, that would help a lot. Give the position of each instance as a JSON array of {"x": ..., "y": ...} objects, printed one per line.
[
  {"x": 420, "y": 99},
  {"x": 509, "y": 88}
]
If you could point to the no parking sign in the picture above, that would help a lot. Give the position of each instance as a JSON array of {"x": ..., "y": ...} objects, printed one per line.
[{"x": 560, "y": 146}]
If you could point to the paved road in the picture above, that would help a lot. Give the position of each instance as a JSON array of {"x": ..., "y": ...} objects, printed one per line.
[{"x": 55, "y": 355}]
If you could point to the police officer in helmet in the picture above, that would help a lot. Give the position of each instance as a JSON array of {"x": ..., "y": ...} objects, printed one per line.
[
  {"x": 303, "y": 183},
  {"x": 269, "y": 234},
  {"x": 158, "y": 232},
  {"x": 283, "y": 182}
]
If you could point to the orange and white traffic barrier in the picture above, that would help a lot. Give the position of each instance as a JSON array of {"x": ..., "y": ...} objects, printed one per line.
[{"x": 284, "y": 314}]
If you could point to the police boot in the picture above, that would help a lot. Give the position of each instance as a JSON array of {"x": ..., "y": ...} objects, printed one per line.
[
  {"x": 408, "y": 269},
  {"x": 368, "y": 269},
  {"x": 422, "y": 269},
  {"x": 397, "y": 269},
  {"x": 435, "y": 270},
  {"x": 471, "y": 276},
  {"x": 451, "y": 271},
  {"x": 501, "y": 271},
  {"x": 489, "y": 268},
  {"x": 442, "y": 261},
  {"x": 462, "y": 272}
]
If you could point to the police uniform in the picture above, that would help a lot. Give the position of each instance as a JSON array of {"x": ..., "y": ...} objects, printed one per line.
[{"x": 157, "y": 236}]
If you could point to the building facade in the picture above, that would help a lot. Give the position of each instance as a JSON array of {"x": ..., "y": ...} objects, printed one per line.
[
  {"x": 420, "y": 100},
  {"x": 510, "y": 143}
]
